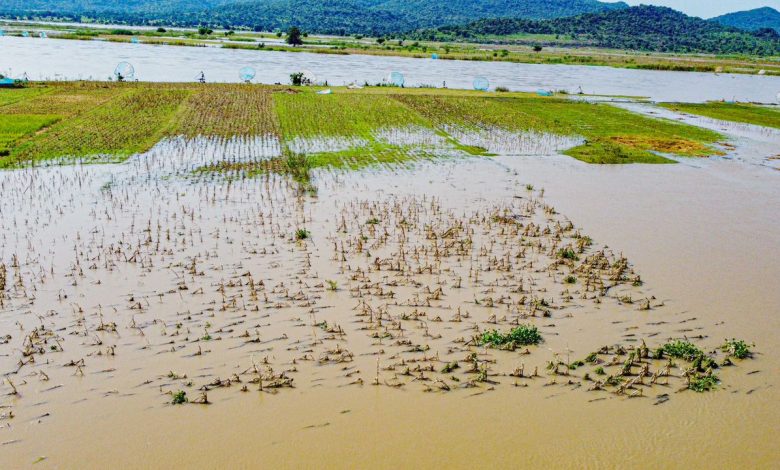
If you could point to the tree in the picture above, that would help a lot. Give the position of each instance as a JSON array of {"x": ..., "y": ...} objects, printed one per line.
[{"x": 294, "y": 36}]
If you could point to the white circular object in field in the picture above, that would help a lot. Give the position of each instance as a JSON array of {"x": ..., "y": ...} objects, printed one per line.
[
  {"x": 246, "y": 74},
  {"x": 481, "y": 84},
  {"x": 124, "y": 71}
]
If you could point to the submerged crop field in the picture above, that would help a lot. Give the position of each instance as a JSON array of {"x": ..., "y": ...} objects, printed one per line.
[
  {"x": 349, "y": 127},
  {"x": 242, "y": 274},
  {"x": 766, "y": 116}
]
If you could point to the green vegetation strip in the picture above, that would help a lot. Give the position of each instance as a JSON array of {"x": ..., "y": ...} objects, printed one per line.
[
  {"x": 613, "y": 135},
  {"x": 112, "y": 121},
  {"x": 15, "y": 127},
  {"x": 735, "y": 112},
  {"x": 130, "y": 123}
]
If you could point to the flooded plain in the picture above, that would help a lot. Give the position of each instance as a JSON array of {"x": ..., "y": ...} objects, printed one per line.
[
  {"x": 340, "y": 328},
  {"x": 52, "y": 59}
]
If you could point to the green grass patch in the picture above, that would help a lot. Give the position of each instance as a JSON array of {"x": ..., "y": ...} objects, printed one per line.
[
  {"x": 703, "y": 383},
  {"x": 67, "y": 99},
  {"x": 15, "y": 95},
  {"x": 682, "y": 350},
  {"x": 131, "y": 123},
  {"x": 734, "y": 112},
  {"x": 16, "y": 126},
  {"x": 737, "y": 348},
  {"x": 356, "y": 117},
  {"x": 228, "y": 110},
  {"x": 522, "y": 335},
  {"x": 612, "y": 135},
  {"x": 179, "y": 398},
  {"x": 307, "y": 114},
  {"x": 607, "y": 153},
  {"x": 115, "y": 120}
]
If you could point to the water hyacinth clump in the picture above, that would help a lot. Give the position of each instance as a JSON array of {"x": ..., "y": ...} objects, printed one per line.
[
  {"x": 523, "y": 335},
  {"x": 737, "y": 348},
  {"x": 682, "y": 349}
]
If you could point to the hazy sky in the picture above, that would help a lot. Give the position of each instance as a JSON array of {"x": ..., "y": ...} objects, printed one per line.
[{"x": 709, "y": 8}]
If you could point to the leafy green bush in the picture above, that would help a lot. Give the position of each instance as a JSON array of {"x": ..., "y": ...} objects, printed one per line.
[
  {"x": 703, "y": 383},
  {"x": 302, "y": 234},
  {"x": 737, "y": 348},
  {"x": 522, "y": 335},
  {"x": 682, "y": 349},
  {"x": 179, "y": 398}
]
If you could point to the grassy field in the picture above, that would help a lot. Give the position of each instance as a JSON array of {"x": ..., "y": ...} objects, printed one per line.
[
  {"x": 227, "y": 111},
  {"x": 111, "y": 121},
  {"x": 20, "y": 95},
  {"x": 15, "y": 127},
  {"x": 735, "y": 112},
  {"x": 613, "y": 135},
  {"x": 131, "y": 122}
]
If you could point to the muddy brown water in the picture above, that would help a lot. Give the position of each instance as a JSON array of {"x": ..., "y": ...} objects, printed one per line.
[{"x": 701, "y": 234}]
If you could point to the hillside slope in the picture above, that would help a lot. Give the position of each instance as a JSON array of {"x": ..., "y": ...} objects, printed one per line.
[
  {"x": 322, "y": 16},
  {"x": 645, "y": 28},
  {"x": 751, "y": 20}
]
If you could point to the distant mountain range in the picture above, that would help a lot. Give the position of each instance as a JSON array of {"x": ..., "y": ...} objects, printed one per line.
[
  {"x": 321, "y": 16},
  {"x": 645, "y": 28},
  {"x": 752, "y": 20}
]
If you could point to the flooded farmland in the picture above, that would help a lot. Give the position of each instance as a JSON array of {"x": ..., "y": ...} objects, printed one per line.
[{"x": 160, "y": 315}]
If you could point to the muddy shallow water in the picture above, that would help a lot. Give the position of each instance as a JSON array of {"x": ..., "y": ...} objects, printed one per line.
[{"x": 105, "y": 257}]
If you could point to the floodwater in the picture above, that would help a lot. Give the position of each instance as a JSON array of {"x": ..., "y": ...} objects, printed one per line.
[
  {"x": 53, "y": 59},
  {"x": 132, "y": 281}
]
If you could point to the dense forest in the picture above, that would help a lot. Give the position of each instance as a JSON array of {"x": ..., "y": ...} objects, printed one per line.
[
  {"x": 644, "y": 28},
  {"x": 318, "y": 16},
  {"x": 752, "y": 20}
]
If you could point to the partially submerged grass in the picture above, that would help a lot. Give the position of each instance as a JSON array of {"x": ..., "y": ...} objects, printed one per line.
[
  {"x": 179, "y": 398},
  {"x": 131, "y": 123},
  {"x": 682, "y": 349},
  {"x": 737, "y": 348},
  {"x": 14, "y": 127},
  {"x": 611, "y": 134},
  {"x": 703, "y": 383},
  {"x": 608, "y": 153},
  {"x": 309, "y": 115},
  {"x": 227, "y": 111},
  {"x": 522, "y": 335},
  {"x": 736, "y": 112},
  {"x": 63, "y": 99},
  {"x": 350, "y": 128}
]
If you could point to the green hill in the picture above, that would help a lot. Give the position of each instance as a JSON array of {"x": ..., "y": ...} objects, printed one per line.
[
  {"x": 321, "y": 16},
  {"x": 752, "y": 20},
  {"x": 644, "y": 28}
]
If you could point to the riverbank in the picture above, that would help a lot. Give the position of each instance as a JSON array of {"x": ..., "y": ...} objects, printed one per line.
[{"x": 519, "y": 52}]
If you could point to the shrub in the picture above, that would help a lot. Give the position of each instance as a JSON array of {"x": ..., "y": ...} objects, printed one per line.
[
  {"x": 737, "y": 348},
  {"x": 682, "y": 349},
  {"x": 302, "y": 234},
  {"x": 522, "y": 335},
  {"x": 179, "y": 398}
]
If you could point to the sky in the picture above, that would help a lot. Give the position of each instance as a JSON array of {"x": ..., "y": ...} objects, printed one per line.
[{"x": 709, "y": 8}]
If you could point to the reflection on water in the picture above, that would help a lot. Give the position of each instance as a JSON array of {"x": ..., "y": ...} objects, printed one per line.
[{"x": 67, "y": 59}]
